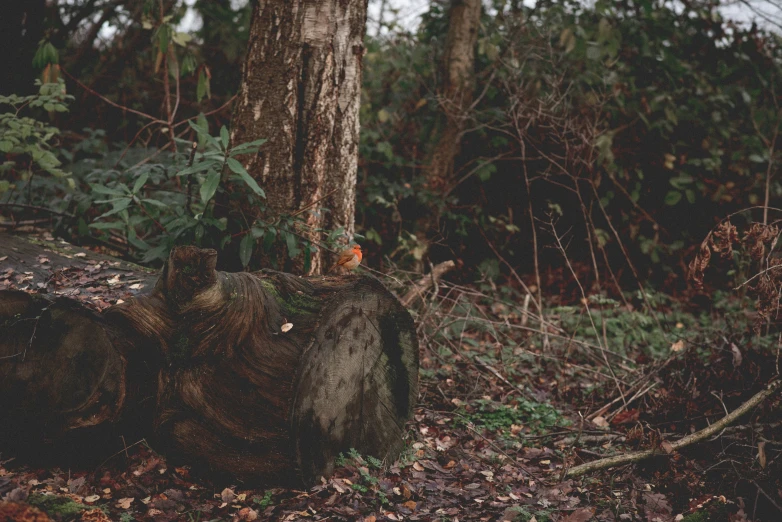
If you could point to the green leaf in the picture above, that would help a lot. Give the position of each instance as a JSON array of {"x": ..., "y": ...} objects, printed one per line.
[
  {"x": 237, "y": 168},
  {"x": 100, "y": 189},
  {"x": 198, "y": 127},
  {"x": 200, "y": 166},
  {"x": 119, "y": 206},
  {"x": 247, "y": 148},
  {"x": 203, "y": 132},
  {"x": 155, "y": 203},
  {"x": 209, "y": 187},
  {"x": 673, "y": 197},
  {"x": 268, "y": 238},
  {"x": 6, "y": 146},
  {"x": 224, "y": 137},
  {"x": 181, "y": 39},
  {"x": 136, "y": 241},
  {"x": 164, "y": 37},
  {"x": 293, "y": 245},
  {"x": 201, "y": 86},
  {"x": 140, "y": 182},
  {"x": 103, "y": 225},
  {"x": 246, "y": 249}
]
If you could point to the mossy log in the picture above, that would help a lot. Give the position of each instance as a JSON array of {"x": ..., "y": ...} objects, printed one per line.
[{"x": 265, "y": 377}]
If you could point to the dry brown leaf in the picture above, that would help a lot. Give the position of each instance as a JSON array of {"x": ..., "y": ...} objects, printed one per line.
[
  {"x": 247, "y": 514},
  {"x": 124, "y": 503},
  {"x": 580, "y": 515},
  {"x": 94, "y": 515},
  {"x": 762, "y": 454},
  {"x": 228, "y": 495}
]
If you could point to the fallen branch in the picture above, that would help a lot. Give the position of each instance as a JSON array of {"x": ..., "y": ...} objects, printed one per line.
[
  {"x": 429, "y": 280},
  {"x": 636, "y": 456}
]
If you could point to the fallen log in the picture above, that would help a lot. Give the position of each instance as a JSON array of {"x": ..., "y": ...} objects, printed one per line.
[{"x": 265, "y": 377}]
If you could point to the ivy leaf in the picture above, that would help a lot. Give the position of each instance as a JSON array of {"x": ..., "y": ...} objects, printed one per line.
[
  {"x": 237, "y": 168},
  {"x": 209, "y": 187},
  {"x": 246, "y": 249}
]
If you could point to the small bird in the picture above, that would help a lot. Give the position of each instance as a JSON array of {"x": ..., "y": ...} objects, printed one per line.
[{"x": 349, "y": 258}]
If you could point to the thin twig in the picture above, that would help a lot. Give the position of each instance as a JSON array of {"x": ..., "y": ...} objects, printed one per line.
[{"x": 636, "y": 456}]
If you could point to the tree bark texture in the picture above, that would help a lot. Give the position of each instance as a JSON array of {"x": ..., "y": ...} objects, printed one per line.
[
  {"x": 264, "y": 377},
  {"x": 456, "y": 92},
  {"x": 301, "y": 91}
]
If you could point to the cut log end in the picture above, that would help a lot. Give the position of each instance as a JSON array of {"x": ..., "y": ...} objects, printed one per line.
[{"x": 358, "y": 379}]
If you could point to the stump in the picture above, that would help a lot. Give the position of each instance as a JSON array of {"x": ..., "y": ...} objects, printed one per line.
[{"x": 265, "y": 377}]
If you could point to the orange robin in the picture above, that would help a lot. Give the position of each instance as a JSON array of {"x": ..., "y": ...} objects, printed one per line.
[{"x": 349, "y": 258}]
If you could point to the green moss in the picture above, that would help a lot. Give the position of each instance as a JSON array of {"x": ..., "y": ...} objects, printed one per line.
[
  {"x": 292, "y": 304},
  {"x": 179, "y": 351},
  {"x": 270, "y": 288},
  {"x": 300, "y": 304},
  {"x": 698, "y": 516},
  {"x": 56, "y": 506}
]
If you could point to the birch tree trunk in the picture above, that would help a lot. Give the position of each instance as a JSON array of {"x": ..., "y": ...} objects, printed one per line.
[
  {"x": 301, "y": 91},
  {"x": 456, "y": 92}
]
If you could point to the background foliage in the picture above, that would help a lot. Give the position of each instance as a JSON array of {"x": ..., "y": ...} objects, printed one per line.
[{"x": 622, "y": 130}]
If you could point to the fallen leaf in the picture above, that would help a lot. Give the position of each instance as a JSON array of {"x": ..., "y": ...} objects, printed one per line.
[
  {"x": 286, "y": 327},
  {"x": 600, "y": 422},
  {"x": 417, "y": 466},
  {"x": 228, "y": 495},
  {"x": 667, "y": 447},
  {"x": 410, "y": 504},
  {"x": 91, "y": 499},
  {"x": 124, "y": 503},
  {"x": 80, "y": 254},
  {"x": 762, "y": 454},
  {"x": 737, "y": 357},
  {"x": 677, "y": 346},
  {"x": 579, "y": 515},
  {"x": 247, "y": 514}
]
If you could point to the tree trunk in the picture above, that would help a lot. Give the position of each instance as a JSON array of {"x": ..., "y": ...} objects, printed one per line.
[
  {"x": 301, "y": 91},
  {"x": 265, "y": 377},
  {"x": 457, "y": 87}
]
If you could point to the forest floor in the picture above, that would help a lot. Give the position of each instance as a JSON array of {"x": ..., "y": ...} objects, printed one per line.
[{"x": 510, "y": 399}]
